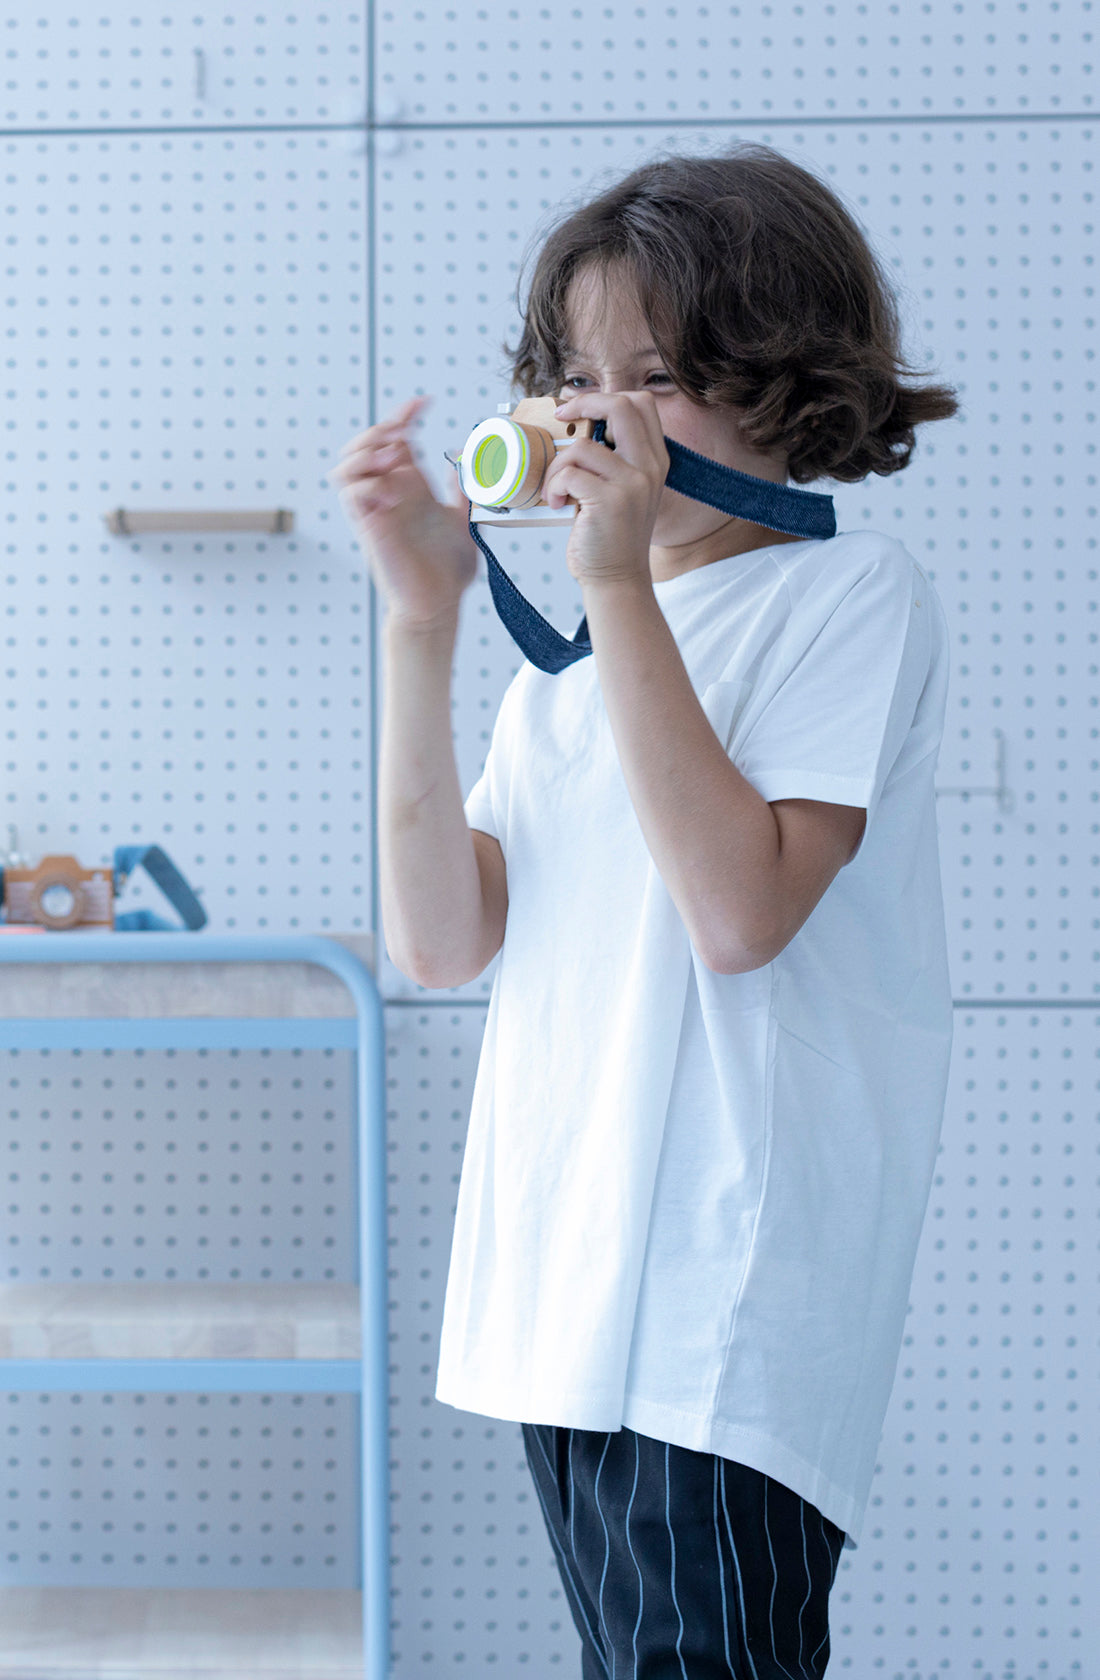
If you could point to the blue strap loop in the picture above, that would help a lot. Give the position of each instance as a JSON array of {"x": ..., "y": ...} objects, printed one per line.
[
  {"x": 159, "y": 866},
  {"x": 779, "y": 507}
]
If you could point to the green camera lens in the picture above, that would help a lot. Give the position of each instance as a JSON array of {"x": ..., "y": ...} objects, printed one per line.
[{"x": 490, "y": 461}]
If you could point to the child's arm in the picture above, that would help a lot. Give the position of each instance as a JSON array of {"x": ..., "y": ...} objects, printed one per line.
[
  {"x": 743, "y": 874},
  {"x": 443, "y": 890},
  {"x": 444, "y": 897}
]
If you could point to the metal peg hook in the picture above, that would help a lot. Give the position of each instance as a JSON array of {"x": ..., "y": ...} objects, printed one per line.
[{"x": 200, "y": 76}]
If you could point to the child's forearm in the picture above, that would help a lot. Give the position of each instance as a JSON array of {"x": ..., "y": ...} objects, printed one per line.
[
  {"x": 713, "y": 838},
  {"x": 431, "y": 895}
]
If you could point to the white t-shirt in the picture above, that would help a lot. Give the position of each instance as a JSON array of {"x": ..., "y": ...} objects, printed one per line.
[{"x": 690, "y": 1201}]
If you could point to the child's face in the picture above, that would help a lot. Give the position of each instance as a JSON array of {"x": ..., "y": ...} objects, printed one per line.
[{"x": 612, "y": 350}]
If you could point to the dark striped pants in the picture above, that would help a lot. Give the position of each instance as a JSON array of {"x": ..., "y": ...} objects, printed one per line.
[{"x": 680, "y": 1565}]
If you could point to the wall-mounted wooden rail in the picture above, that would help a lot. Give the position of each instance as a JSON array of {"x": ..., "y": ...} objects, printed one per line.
[{"x": 136, "y": 522}]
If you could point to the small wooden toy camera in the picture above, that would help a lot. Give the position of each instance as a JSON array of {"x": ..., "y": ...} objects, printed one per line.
[
  {"x": 59, "y": 894},
  {"x": 504, "y": 461}
]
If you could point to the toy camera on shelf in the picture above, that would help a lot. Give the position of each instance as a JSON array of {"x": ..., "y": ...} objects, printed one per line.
[
  {"x": 504, "y": 461},
  {"x": 59, "y": 894}
]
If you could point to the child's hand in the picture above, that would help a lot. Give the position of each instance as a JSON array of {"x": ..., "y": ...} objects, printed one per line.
[
  {"x": 618, "y": 490},
  {"x": 419, "y": 550}
]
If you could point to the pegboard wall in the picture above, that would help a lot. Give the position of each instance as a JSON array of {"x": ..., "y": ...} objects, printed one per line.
[
  {"x": 982, "y": 1517},
  {"x": 218, "y": 1165},
  {"x": 124, "y": 64},
  {"x": 213, "y": 280},
  {"x": 187, "y": 1490},
  {"x": 474, "y": 1580},
  {"x": 186, "y": 331},
  {"x": 510, "y": 63}
]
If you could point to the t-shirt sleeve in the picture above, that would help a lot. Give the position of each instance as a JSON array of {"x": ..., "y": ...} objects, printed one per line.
[
  {"x": 486, "y": 804},
  {"x": 479, "y": 803},
  {"x": 851, "y": 699}
]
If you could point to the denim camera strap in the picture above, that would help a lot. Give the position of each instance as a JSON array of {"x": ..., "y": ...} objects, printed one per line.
[
  {"x": 176, "y": 890},
  {"x": 779, "y": 507}
]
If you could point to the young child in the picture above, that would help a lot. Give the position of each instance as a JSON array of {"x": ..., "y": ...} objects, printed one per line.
[{"x": 716, "y": 1051}]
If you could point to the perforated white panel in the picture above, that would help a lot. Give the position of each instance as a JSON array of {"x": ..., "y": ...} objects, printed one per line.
[
  {"x": 209, "y": 1165},
  {"x": 212, "y": 694},
  {"x": 224, "y": 1165},
  {"x": 125, "y": 63},
  {"x": 992, "y": 229},
  {"x": 984, "y": 1519},
  {"x": 512, "y": 63},
  {"x": 186, "y": 331},
  {"x": 474, "y": 1578},
  {"x": 189, "y": 1490}
]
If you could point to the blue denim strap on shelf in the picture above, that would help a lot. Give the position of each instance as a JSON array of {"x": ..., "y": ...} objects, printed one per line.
[
  {"x": 176, "y": 890},
  {"x": 780, "y": 507}
]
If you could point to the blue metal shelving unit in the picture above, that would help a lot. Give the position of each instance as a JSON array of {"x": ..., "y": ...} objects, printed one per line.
[{"x": 364, "y": 1035}]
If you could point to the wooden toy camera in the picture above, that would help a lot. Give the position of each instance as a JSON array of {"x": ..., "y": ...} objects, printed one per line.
[
  {"x": 59, "y": 894},
  {"x": 504, "y": 461}
]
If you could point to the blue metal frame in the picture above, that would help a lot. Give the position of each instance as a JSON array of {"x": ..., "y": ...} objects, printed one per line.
[
  {"x": 222, "y": 1032},
  {"x": 364, "y": 1034}
]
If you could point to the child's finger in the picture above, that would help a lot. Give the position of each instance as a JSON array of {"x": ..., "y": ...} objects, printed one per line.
[
  {"x": 362, "y": 500},
  {"x": 383, "y": 432},
  {"x": 377, "y": 454},
  {"x": 589, "y": 457},
  {"x": 372, "y": 458},
  {"x": 398, "y": 418},
  {"x": 395, "y": 422},
  {"x": 633, "y": 423},
  {"x": 569, "y": 481}
]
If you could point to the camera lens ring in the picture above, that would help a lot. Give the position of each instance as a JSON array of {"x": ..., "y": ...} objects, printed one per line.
[{"x": 57, "y": 901}]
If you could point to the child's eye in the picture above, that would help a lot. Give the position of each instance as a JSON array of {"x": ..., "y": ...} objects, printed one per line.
[{"x": 581, "y": 381}]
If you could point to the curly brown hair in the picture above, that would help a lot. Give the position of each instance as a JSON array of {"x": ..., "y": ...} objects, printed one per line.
[{"x": 762, "y": 293}]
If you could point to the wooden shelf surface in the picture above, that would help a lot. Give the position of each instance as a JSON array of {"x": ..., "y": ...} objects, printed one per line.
[
  {"x": 138, "y": 1633},
  {"x": 139, "y": 1320},
  {"x": 170, "y": 990}
]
